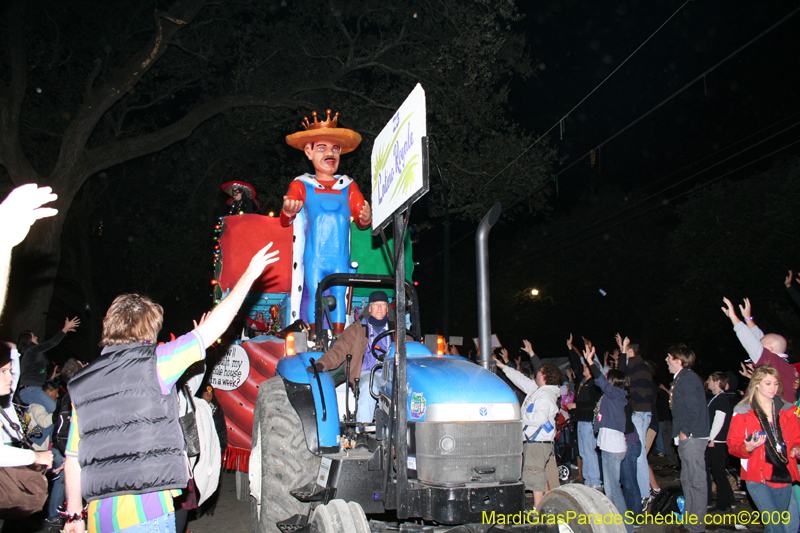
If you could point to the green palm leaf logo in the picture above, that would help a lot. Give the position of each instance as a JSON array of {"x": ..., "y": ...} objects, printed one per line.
[
  {"x": 407, "y": 177},
  {"x": 384, "y": 152}
]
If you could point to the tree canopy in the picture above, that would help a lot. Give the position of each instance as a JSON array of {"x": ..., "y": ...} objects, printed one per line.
[{"x": 153, "y": 104}]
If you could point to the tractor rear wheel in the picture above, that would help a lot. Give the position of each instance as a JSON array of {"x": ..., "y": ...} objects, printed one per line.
[{"x": 286, "y": 463}]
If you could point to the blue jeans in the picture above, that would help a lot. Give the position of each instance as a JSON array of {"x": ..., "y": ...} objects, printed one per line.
[
  {"x": 587, "y": 447},
  {"x": 770, "y": 499},
  {"x": 612, "y": 463},
  {"x": 57, "y": 490},
  {"x": 642, "y": 421},
  {"x": 630, "y": 483},
  {"x": 31, "y": 395},
  {"x": 162, "y": 524},
  {"x": 659, "y": 439},
  {"x": 365, "y": 412}
]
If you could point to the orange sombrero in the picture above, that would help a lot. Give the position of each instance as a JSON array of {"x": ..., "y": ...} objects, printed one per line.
[{"x": 328, "y": 129}]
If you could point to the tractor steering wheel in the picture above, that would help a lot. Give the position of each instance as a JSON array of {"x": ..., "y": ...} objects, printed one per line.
[{"x": 378, "y": 352}]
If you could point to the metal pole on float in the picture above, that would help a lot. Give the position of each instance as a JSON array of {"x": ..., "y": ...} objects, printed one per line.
[{"x": 482, "y": 264}]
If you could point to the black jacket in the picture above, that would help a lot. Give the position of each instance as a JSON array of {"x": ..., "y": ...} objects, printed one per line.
[{"x": 131, "y": 440}]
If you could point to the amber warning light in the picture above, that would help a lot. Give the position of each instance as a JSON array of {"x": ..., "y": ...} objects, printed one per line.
[{"x": 289, "y": 345}]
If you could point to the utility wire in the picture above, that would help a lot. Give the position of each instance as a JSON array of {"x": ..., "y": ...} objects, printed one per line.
[
  {"x": 584, "y": 156},
  {"x": 652, "y": 110},
  {"x": 706, "y": 169},
  {"x": 661, "y": 191},
  {"x": 561, "y": 120},
  {"x": 633, "y": 216}
]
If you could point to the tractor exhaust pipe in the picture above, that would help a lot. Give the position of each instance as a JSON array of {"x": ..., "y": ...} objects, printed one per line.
[{"x": 482, "y": 262}]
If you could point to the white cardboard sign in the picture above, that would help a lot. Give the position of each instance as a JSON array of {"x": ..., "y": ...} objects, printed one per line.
[
  {"x": 232, "y": 370},
  {"x": 397, "y": 165}
]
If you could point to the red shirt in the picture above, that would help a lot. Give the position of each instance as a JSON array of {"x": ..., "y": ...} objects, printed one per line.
[{"x": 297, "y": 191}]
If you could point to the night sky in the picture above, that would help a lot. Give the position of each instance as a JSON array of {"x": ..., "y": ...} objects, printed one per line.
[
  {"x": 639, "y": 151},
  {"x": 717, "y": 128}
]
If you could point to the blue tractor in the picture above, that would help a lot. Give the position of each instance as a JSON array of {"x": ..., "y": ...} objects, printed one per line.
[{"x": 445, "y": 450}]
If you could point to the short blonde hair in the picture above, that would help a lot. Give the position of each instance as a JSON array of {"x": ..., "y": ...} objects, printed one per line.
[{"x": 132, "y": 318}]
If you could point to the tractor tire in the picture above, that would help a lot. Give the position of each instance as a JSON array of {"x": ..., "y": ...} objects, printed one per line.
[
  {"x": 339, "y": 516},
  {"x": 286, "y": 463},
  {"x": 585, "y": 502}
]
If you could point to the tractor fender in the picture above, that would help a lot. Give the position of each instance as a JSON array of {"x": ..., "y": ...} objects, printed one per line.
[{"x": 317, "y": 408}]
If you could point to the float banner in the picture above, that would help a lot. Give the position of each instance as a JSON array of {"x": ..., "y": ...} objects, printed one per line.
[{"x": 397, "y": 160}]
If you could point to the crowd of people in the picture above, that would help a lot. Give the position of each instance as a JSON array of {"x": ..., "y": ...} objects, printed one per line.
[
  {"x": 115, "y": 441},
  {"x": 115, "y": 448},
  {"x": 619, "y": 410}
]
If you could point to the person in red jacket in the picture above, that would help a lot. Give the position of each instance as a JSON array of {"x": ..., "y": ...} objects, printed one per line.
[{"x": 765, "y": 435}]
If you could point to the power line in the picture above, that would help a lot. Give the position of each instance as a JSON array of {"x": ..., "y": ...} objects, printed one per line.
[
  {"x": 631, "y": 124},
  {"x": 663, "y": 190},
  {"x": 646, "y": 114},
  {"x": 561, "y": 120},
  {"x": 633, "y": 216}
]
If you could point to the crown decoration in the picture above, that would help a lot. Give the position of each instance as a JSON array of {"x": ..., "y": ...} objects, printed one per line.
[{"x": 329, "y": 123}]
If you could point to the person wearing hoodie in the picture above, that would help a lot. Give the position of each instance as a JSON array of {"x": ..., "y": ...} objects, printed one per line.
[
  {"x": 539, "y": 411},
  {"x": 610, "y": 423}
]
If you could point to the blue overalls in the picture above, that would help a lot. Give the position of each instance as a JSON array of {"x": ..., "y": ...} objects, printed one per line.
[{"x": 327, "y": 248}]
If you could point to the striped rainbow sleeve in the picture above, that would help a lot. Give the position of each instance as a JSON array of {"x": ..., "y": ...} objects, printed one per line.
[{"x": 173, "y": 358}]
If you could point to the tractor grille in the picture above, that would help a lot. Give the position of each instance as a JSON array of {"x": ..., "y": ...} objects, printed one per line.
[{"x": 450, "y": 453}]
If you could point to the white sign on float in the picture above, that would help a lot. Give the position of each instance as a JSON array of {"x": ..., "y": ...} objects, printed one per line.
[
  {"x": 232, "y": 370},
  {"x": 397, "y": 159}
]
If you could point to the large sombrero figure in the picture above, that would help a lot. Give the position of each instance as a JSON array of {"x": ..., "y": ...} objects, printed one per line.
[
  {"x": 327, "y": 129},
  {"x": 323, "y": 203}
]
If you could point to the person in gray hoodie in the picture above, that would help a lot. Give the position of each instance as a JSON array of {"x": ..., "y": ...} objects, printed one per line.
[{"x": 539, "y": 412}]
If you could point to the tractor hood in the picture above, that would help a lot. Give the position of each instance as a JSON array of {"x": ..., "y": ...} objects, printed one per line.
[{"x": 448, "y": 388}]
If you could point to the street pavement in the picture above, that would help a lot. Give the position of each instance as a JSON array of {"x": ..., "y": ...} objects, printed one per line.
[{"x": 233, "y": 516}]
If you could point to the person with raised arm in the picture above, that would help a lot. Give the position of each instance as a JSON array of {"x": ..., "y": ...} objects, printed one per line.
[
  {"x": 125, "y": 451},
  {"x": 610, "y": 426},
  {"x": 763, "y": 349},
  {"x": 539, "y": 411}
]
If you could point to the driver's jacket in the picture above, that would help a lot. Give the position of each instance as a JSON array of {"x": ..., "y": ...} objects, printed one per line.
[{"x": 354, "y": 340}]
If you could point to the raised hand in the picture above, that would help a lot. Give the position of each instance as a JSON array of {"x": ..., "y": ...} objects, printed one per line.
[
  {"x": 202, "y": 319},
  {"x": 260, "y": 261},
  {"x": 788, "y": 280},
  {"x": 569, "y": 342},
  {"x": 504, "y": 355},
  {"x": 747, "y": 370},
  {"x": 618, "y": 337},
  {"x": 500, "y": 364},
  {"x": 526, "y": 347},
  {"x": 615, "y": 355},
  {"x": 745, "y": 309},
  {"x": 71, "y": 325},
  {"x": 588, "y": 354},
  {"x": 21, "y": 208},
  {"x": 586, "y": 342},
  {"x": 729, "y": 311}
]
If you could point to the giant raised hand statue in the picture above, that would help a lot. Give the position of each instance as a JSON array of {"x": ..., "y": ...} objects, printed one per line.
[{"x": 321, "y": 206}]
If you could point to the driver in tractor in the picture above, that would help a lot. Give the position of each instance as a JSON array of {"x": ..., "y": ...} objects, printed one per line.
[
  {"x": 329, "y": 202},
  {"x": 357, "y": 340}
]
